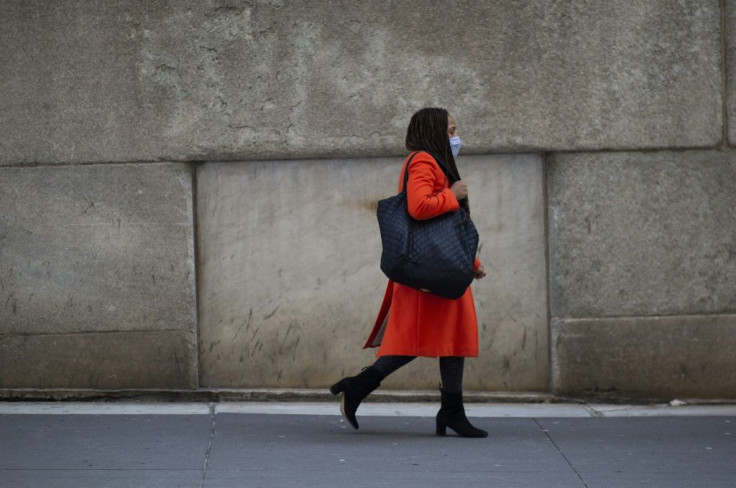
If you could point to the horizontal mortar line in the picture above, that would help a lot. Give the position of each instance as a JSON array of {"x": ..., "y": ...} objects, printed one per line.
[
  {"x": 608, "y": 317},
  {"x": 98, "y": 163},
  {"x": 537, "y": 151},
  {"x": 214, "y": 397},
  {"x": 502, "y": 396},
  {"x": 127, "y": 224},
  {"x": 678, "y": 149},
  {"x": 139, "y": 331},
  {"x": 101, "y": 469}
]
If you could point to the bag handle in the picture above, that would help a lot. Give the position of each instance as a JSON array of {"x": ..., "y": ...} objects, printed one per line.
[{"x": 406, "y": 171}]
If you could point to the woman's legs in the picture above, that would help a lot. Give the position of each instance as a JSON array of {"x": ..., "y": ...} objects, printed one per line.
[
  {"x": 451, "y": 371},
  {"x": 354, "y": 389},
  {"x": 452, "y": 412},
  {"x": 388, "y": 364}
]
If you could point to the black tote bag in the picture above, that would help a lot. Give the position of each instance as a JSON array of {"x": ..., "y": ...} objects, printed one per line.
[{"x": 434, "y": 255}]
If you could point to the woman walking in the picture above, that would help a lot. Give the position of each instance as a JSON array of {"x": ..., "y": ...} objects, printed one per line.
[{"x": 411, "y": 322}]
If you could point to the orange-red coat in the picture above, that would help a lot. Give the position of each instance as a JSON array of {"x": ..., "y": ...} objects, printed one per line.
[{"x": 416, "y": 323}]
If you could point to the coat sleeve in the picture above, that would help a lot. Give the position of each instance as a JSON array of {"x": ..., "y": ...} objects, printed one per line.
[{"x": 423, "y": 201}]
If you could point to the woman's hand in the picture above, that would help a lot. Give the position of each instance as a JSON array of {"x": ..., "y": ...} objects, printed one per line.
[
  {"x": 479, "y": 273},
  {"x": 460, "y": 189}
]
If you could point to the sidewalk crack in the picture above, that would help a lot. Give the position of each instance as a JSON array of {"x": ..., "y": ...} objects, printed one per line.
[
  {"x": 592, "y": 411},
  {"x": 561, "y": 453},
  {"x": 209, "y": 445}
]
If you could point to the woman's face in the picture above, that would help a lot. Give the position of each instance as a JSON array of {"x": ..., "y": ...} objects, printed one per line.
[{"x": 451, "y": 126}]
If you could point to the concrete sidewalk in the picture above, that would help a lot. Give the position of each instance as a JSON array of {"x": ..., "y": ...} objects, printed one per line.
[{"x": 307, "y": 444}]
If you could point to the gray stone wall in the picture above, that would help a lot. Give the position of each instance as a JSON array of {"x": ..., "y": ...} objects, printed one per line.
[
  {"x": 649, "y": 357},
  {"x": 188, "y": 189},
  {"x": 642, "y": 252},
  {"x": 230, "y": 79},
  {"x": 97, "y": 277},
  {"x": 642, "y": 233},
  {"x": 290, "y": 287}
]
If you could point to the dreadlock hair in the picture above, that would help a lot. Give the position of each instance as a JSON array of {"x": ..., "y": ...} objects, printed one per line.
[{"x": 427, "y": 131}]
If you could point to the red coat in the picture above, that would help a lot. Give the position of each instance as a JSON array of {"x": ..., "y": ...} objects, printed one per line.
[{"x": 416, "y": 323}]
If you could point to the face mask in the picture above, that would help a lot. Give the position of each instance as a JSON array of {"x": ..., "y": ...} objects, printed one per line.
[{"x": 455, "y": 144}]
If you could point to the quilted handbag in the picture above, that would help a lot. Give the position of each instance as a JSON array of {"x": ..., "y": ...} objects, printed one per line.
[{"x": 434, "y": 255}]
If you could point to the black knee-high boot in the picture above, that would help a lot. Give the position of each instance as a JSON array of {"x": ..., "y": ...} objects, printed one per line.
[
  {"x": 452, "y": 415},
  {"x": 354, "y": 389}
]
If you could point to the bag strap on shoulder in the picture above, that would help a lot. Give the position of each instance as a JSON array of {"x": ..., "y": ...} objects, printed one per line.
[
  {"x": 406, "y": 170},
  {"x": 448, "y": 174}
]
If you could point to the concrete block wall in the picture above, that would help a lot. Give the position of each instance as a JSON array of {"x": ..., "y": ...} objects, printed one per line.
[
  {"x": 642, "y": 255},
  {"x": 289, "y": 282},
  {"x": 98, "y": 279},
  {"x": 188, "y": 190},
  {"x": 230, "y": 79}
]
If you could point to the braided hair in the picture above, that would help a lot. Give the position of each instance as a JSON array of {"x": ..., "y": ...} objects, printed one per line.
[{"x": 427, "y": 131}]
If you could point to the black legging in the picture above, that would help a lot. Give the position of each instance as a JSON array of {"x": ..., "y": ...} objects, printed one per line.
[{"x": 451, "y": 369}]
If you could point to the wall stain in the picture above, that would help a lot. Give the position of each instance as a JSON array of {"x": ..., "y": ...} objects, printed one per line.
[
  {"x": 13, "y": 303},
  {"x": 257, "y": 346},
  {"x": 370, "y": 205},
  {"x": 272, "y": 313},
  {"x": 245, "y": 324},
  {"x": 506, "y": 365}
]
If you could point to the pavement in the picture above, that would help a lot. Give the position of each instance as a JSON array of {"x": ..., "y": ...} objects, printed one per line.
[{"x": 272, "y": 444}]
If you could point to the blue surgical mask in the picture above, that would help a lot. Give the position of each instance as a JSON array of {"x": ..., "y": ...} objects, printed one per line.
[{"x": 455, "y": 144}]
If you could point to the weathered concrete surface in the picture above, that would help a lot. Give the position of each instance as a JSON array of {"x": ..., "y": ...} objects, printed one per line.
[
  {"x": 115, "y": 359},
  {"x": 650, "y": 357},
  {"x": 730, "y": 35},
  {"x": 642, "y": 233},
  {"x": 290, "y": 283},
  {"x": 85, "y": 80},
  {"x": 226, "y": 450},
  {"x": 97, "y": 249}
]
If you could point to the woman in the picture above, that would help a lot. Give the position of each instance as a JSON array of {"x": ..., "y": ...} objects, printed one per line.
[{"x": 413, "y": 323}]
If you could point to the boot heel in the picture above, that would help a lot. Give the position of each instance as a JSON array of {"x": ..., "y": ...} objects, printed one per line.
[
  {"x": 441, "y": 429},
  {"x": 354, "y": 389},
  {"x": 452, "y": 415}
]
